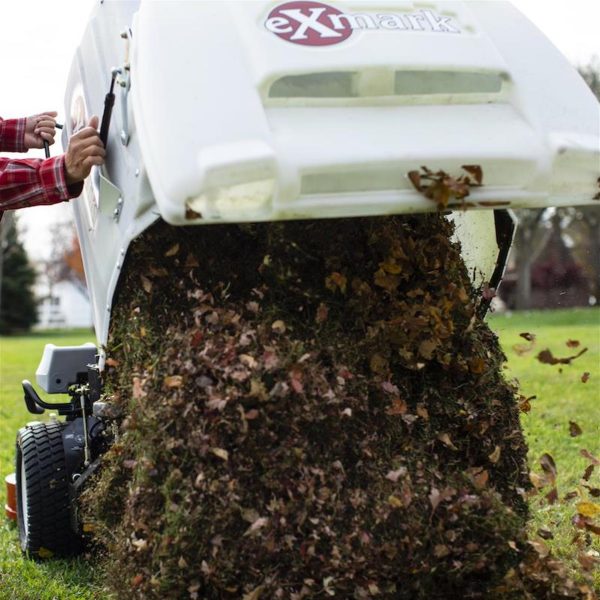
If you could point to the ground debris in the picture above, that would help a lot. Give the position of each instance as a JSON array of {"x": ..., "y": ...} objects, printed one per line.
[{"x": 324, "y": 415}]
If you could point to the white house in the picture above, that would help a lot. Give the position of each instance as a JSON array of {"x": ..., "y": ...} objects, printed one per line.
[{"x": 63, "y": 306}]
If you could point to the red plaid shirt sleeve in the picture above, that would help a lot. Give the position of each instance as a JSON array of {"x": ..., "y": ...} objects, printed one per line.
[
  {"x": 12, "y": 135},
  {"x": 30, "y": 182}
]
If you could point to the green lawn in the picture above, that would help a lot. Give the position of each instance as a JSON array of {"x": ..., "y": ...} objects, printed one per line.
[
  {"x": 561, "y": 397},
  {"x": 20, "y": 579}
]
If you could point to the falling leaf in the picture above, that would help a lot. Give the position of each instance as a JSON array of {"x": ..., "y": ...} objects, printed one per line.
[
  {"x": 278, "y": 326},
  {"x": 537, "y": 481},
  {"x": 545, "y": 533},
  {"x": 434, "y": 497},
  {"x": 593, "y": 492},
  {"x": 221, "y": 453},
  {"x": 574, "y": 429},
  {"x": 257, "y": 526},
  {"x": 446, "y": 440},
  {"x": 146, "y": 284},
  {"x": 191, "y": 261},
  {"x": 530, "y": 337},
  {"x": 573, "y": 343},
  {"x": 336, "y": 281},
  {"x": 254, "y": 594},
  {"x": 477, "y": 365},
  {"x": 398, "y": 407},
  {"x": 488, "y": 293},
  {"x": 395, "y": 475},
  {"x": 588, "y": 561},
  {"x": 549, "y": 467},
  {"x": 587, "y": 454},
  {"x": 540, "y": 548},
  {"x": 112, "y": 362},
  {"x": 140, "y": 545},
  {"x": 173, "y": 381},
  {"x": 588, "y": 472},
  {"x": 588, "y": 509},
  {"x": 248, "y": 360},
  {"x": 525, "y": 403},
  {"x": 546, "y": 357},
  {"x": 415, "y": 179},
  {"x": 481, "y": 478},
  {"x": 378, "y": 363},
  {"x": 476, "y": 171},
  {"x": 395, "y": 502},
  {"x": 322, "y": 312},
  {"x": 552, "y": 496},
  {"x": 137, "y": 390},
  {"x": 172, "y": 251},
  {"x": 296, "y": 381},
  {"x": 495, "y": 455},
  {"x": 585, "y": 377}
]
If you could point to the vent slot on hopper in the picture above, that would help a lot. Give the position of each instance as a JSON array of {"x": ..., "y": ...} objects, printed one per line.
[{"x": 385, "y": 83}]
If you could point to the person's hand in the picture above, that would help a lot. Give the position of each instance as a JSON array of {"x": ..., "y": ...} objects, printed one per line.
[
  {"x": 40, "y": 128},
  {"x": 84, "y": 151}
]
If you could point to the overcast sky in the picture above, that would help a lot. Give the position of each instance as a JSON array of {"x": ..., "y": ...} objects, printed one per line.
[{"x": 39, "y": 38}]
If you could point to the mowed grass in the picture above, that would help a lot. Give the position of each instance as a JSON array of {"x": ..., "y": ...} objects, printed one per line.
[
  {"x": 561, "y": 397},
  {"x": 22, "y": 579}
]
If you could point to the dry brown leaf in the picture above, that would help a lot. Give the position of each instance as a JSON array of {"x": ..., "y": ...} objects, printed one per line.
[
  {"x": 173, "y": 381},
  {"x": 495, "y": 455},
  {"x": 574, "y": 429}
]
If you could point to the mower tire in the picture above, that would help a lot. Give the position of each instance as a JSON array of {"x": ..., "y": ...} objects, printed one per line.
[{"x": 43, "y": 499}]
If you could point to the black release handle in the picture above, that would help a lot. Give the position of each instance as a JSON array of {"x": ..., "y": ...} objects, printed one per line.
[
  {"x": 47, "y": 145},
  {"x": 109, "y": 102}
]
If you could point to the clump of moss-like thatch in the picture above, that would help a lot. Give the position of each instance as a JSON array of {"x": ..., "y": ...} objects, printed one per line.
[{"x": 314, "y": 409}]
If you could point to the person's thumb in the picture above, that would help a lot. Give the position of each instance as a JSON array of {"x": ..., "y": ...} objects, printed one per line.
[
  {"x": 94, "y": 122},
  {"x": 49, "y": 113}
]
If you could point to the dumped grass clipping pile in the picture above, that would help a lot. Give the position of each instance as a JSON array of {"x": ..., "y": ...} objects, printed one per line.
[{"x": 312, "y": 410}]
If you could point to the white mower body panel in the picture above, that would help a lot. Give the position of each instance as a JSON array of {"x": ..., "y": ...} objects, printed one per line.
[{"x": 265, "y": 110}]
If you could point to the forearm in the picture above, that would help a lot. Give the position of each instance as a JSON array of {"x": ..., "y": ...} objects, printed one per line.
[
  {"x": 12, "y": 135},
  {"x": 31, "y": 182}
]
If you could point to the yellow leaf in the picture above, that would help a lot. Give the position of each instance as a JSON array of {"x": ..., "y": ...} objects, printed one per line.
[
  {"x": 146, "y": 284},
  {"x": 254, "y": 594},
  {"x": 588, "y": 509},
  {"x": 446, "y": 440},
  {"x": 173, "y": 250},
  {"x": 278, "y": 326},
  {"x": 390, "y": 266},
  {"x": 395, "y": 502},
  {"x": 495, "y": 455},
  {"x": 221, "y": 453},
  {"x": 173, "y": 381}
]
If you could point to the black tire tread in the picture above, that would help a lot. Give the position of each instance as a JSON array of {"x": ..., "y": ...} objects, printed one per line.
[{"x": 40, "y": 447}]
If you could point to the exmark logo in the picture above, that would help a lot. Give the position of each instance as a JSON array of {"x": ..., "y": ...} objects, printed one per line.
[{"x": 317, "y": 24}]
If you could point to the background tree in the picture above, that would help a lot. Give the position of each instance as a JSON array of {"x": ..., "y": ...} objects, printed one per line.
[
  {"x": 64, "y": 261},
  {"x": 580, "y": 226},
  {"x": 17, "y": 303}
]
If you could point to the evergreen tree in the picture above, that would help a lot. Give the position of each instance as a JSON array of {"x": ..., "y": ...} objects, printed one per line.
[{"x": 17, "y": 303}]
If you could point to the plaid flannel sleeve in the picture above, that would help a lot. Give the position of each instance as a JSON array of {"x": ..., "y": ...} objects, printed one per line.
[
  {"x": 12, "y": 135},
  {"x": 31, "y": 182}
]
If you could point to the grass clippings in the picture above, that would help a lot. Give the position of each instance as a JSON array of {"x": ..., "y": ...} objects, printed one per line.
[{"x": 313, "y": 409}]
